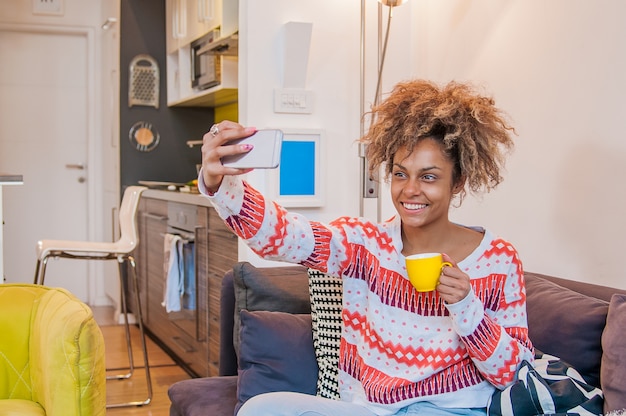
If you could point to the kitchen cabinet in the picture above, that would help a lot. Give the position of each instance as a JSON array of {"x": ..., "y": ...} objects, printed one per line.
[
  {"x": 186, "y": 21},
  {"x": 152, "y": 223},
  {"x": 190, "y": 335}
]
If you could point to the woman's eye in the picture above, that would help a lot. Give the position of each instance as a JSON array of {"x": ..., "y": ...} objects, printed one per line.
[
  {"x": 429, "y": 177},
  {"x": 399, "y": 174}
]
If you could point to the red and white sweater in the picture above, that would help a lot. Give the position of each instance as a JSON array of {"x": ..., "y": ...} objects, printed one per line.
[{"x": 398, "y": 346}]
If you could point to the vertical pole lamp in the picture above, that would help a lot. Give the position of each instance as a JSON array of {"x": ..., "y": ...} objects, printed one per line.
[{"x": 370, "y": 181}]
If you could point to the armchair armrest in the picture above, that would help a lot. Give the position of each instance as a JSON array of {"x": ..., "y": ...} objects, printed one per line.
[{"x": 66, "y": 350}]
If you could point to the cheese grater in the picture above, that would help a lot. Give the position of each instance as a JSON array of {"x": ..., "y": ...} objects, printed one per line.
[{"x": 143, "y": 82}]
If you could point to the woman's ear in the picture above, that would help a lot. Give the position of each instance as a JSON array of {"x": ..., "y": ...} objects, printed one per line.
[{"x": 458, "y": 186}]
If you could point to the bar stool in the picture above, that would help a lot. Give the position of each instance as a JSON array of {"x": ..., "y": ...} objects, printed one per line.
[{"x": 119, "y": 250}]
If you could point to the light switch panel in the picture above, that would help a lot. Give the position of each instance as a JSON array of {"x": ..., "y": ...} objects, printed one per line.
[
  {"x": 48, "y": 7},
  {"x": 293, "y": 100}
]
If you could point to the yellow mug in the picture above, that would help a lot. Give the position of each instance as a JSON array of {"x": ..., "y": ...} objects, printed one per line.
[{"x": 424, "y": 270}]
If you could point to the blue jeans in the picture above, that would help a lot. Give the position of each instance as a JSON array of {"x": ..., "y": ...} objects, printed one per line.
[{"x": 298, "y": 404}]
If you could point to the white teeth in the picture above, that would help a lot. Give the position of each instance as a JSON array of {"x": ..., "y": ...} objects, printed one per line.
[{"x": 414, "y": 206}]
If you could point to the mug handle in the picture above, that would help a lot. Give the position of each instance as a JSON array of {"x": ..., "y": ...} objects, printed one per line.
[{"x": 444, "y": 264}]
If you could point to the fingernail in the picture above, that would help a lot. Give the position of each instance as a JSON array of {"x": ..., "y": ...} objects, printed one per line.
[{"x": 248, "y": 146}]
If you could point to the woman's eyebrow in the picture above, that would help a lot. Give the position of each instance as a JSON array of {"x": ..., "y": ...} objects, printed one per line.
[{"x": 427, "y": 168}]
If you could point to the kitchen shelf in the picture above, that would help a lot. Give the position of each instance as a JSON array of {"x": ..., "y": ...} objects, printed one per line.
[
  {"x": 179, "y": 90},
  {"x": 186, "y": 21},
  {"x": 214, "y": 97}
]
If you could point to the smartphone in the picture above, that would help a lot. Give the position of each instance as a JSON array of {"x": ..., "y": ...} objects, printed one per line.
[{"x": 264, "y": 155}]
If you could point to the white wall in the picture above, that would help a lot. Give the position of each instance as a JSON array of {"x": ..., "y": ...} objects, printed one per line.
[
  {"x": 103, "y": 189},
  {"x": 557, "y": 68},
  {"x": 332, "y": 75}
]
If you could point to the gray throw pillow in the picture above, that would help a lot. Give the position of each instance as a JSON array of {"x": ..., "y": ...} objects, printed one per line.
[
  {"x": 276, "y": 354},
  {"x": 281, "y": 289},
  {"x": 613, "y": 371},
  {"x": 566, "y": 324}
]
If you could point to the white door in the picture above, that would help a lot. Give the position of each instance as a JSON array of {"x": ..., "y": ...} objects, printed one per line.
[{"x": 44, "y": 92}]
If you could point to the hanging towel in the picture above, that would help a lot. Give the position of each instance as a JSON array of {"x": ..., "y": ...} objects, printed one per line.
[
  {"x": 189, "y": 279},
  {"x": 174, "y": 272}
]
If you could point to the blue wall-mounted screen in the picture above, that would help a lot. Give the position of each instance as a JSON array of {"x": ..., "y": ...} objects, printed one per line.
[{"x": 297, "y": 168}]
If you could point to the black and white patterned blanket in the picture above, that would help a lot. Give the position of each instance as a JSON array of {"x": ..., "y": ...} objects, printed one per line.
[{"x": 549, "y": 387}]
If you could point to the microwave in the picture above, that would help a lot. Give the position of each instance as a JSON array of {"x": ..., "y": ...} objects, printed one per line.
[{"x": 205, "y": 64}]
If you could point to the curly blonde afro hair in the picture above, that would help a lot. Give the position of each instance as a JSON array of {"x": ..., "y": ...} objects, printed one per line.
[{"x": 473, "y": 132}]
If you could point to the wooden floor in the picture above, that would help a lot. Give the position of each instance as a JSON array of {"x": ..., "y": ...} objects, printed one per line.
[{"x": 163, "y": 369}]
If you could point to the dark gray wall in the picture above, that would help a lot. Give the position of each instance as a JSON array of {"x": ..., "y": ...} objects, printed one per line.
[{"x": 143, "y": 32}]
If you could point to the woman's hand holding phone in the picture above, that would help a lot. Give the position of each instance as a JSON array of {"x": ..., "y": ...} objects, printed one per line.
[
  {"x": 230, "y": 149},
  {"x": 215, "y": 146}
]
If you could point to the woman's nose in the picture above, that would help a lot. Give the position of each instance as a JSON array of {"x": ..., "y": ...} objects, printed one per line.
[{"x": 412, "y": 188}]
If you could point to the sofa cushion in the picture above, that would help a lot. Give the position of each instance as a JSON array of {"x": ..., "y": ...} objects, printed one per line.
[
  {"x": 566, "y": 324},
  {"x": 282, "y": 289},
  {"x": 326, "y": 303},
  {"x": 215, "y": 396},
  {"x": 276, "y": 354},
  {"x": 613, "y": 371}
]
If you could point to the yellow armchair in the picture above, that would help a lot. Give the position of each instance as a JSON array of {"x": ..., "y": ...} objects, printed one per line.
[{"x": 51, "y": 354}]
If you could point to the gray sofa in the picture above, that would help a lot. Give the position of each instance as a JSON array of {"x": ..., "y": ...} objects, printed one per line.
[{"x": 566, "y": 319}]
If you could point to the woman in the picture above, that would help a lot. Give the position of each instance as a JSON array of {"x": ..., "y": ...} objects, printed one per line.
[{"x": 402, "y": 351}]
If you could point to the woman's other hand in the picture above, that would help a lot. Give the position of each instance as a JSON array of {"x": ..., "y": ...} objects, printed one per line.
[
  {"x": 454, "y": 285},
  {"x": 214, "y": 147}
]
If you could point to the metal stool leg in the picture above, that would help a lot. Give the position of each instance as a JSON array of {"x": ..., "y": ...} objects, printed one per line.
[
  {"x": 40, "y": 271},
  {"x": 131, "y": 362},
  {"x": 35, "y": 280},
  {"x": 135, "y": 283}
]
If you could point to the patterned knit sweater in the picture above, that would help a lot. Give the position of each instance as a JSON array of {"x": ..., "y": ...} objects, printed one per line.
[{"x": 398, "y": 346}]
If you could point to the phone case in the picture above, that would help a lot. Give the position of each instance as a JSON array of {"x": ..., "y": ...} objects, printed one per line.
[{"x": 264, "y": 155}]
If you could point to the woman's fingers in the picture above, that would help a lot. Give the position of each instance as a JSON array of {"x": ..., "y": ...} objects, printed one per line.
[{"x": 215, "y": 146}]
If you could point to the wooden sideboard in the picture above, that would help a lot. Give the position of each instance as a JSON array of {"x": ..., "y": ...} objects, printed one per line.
[{"x": 190, "y": 336}]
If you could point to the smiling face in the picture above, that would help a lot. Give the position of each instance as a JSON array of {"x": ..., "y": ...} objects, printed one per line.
[{"x": 422, "y": 185}]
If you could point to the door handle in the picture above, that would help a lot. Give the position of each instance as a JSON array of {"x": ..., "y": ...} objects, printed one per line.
[{"x": 79, "y": 166}]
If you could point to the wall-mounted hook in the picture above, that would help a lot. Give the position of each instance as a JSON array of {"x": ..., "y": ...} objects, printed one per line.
[
  {"x": 108, "y": 24},
  {"x": 192, "y": 143}
]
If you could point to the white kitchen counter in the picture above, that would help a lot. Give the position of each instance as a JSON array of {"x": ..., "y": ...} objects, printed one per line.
[
  {"x": 5, "y": 180},
  {"x": 176, "y": 196}
]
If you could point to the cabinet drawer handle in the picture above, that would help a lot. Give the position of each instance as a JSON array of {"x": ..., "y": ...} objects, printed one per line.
[
  {"x": 183, "y": 345},
  {"x": 155, "y": 216}
]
